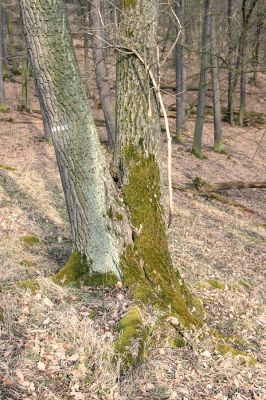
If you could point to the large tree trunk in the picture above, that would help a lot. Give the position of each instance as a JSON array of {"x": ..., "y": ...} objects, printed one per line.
[
  {"x": 147, "y": 263},
  {"x": 101, "y": 70},
  {"x": 205, "y": 50},
  {"x": 98, "y": 223},
  {"x": 217, "y": 113}
]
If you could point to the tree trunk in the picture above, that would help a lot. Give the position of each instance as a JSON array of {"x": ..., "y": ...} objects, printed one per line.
[
  {"x": 11, "y": 42},
  {"x": 98, "y": 223},
  {"x": 180, "y": 95},
  {"x": 147, "y": 263},
  {"x": 218, "y": 146},
  {"x": 2, "y": 88},
  {"x": 101, "y": 70},
  {"x": 256, "y": 46},
  {"x": 230, "y": 105},
  {"x": 205, "y": 50},
  {"x": 25, "y": 77}
]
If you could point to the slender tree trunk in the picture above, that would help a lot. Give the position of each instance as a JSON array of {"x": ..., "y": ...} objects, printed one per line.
[
  {"x": 256, "y": 46},
  {"x": 3, "y": 34},
  {"x": 230, "y": 105},
  {"x": 11, "y": 42},
  {"x": 99, "y": 231},
  {"x": 180, "y": 95},
  {"x": 25, "y": 104},
  {"x": 101, "y": 70},
  {"x": 2, "y": 88},
  {"x": 205, "y": 50},
  {"x": 218, "y": 146}
]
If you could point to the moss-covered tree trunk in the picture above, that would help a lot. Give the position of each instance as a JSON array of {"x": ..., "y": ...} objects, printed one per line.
[
  {"x": 98, "y": 222},
  {"x": 146, "y": 264}
]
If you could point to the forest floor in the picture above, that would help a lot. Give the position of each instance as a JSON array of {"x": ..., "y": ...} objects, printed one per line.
[{"x": 58, "y": 343}]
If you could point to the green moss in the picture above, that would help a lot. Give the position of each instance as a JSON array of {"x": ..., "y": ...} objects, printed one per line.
[
  {"x": 147, "y": 264},
  {"x": 30, "y": 240},
  {"x": 110, "y": 212},
  {"x": 98, "y": 279},
  {"x": 129, "y": 3},
  {"x": 28, "y": 263},
  {"x": 74, "y": 269},
  {"x": 227, "y": 349},
  {"x": 219, "y": 148},
  {"x": 77, "y": 272},
  {"x": 177, "y": 342},
  {"x": 216, "y": 284},
  {"x": 197, "y": 182},
  {"x": 7, "y": 167},
  {"x": 245, "y": 284},
  {"x": 1, "y": 315},
  {"x": 132, "y": 335},
  {"x": 197, "y": 153},
  {"x": 30, "y": 284},
  {"x": 118, "y": 216},
  {"x": 4, "y": 108}
]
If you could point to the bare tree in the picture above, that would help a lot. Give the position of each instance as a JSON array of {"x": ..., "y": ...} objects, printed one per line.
[
  {"x": 101, "y": 70},
  {"x": 218, "y": 146},
  {"x": 205, "y": 50},
  {"x": 180, "y": 81}
]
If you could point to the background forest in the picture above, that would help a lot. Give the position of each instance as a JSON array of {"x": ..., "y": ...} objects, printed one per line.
[{"x": 209, "y": 79}]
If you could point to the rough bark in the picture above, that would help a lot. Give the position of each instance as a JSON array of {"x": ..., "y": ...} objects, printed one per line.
[
  {"x": 147, "y": 263},
  {"x": 180, "y": 81},
  {"x": 205, "y": 50},
  {"x": 216, "y": 89},
  {"x": 98, "y": 222},
  {"x": 101, "y": 70}
]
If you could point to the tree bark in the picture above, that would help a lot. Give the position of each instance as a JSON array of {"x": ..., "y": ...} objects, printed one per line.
[
  {"x": 180, "y": 84},
  {"x": 147, "y": 263},
  {"x": 101, "y": 70},
  {"x": 218, "y": 147},
  {"x": 205, "y": 50},
  {"x": 98, "y": 223},
  {"x": 230, "y": 106},
  {"x": 2, "y": 88}
]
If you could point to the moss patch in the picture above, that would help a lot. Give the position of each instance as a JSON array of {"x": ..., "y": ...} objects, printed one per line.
[
  {"x": 227, "y": 349},
  {"x": 28, "y": 263},
  {"x": 71, "y": 273},
  {"x": 77, "y": 272},
  {"x": 30, "y": 240},
  {"x": 217, "y": 284},
  {"x": 147, "y": 264},
  {"x": 4, "y": 108},
  {"x": 7, "y": 167},
  {"x": 220, "y": 149},
  {"x": 131, "y": 342},
  {"x": 30, "y": 284}
]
